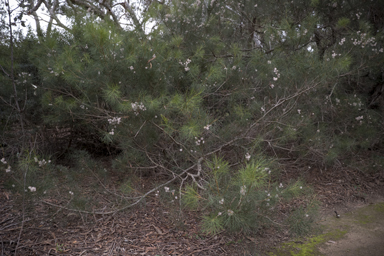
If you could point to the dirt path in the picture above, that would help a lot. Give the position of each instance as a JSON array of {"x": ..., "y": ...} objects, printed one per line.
[
  {"x": 364, "y": 235},
  {"x": 358, "y": 232}
]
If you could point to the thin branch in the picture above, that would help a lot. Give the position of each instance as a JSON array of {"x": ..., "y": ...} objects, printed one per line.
[
  {"x": 35, "y": 8},
  {"x": 125, "y": 207}
]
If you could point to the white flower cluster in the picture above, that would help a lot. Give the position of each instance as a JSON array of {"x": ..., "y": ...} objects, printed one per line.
[
  {"x": 114, "y": 121},
  {"x": 186, "y": 68},
  {"x": 167, "y": 190},
  {"x": 42, "y": 162},
  {"x": 247, "y": 156},
  {"x": 221, "y": 201},
  {"x": 32, "y": 189},
  {"x": 342, "y": 41},
  {"x": 5, "y": 162},
  {"x": 357, "y": 104},
  {"x": 243, "y": 190},
  {"x": 335, "y": 54},
  {"x": 276, "y": 71},
  {"x": 364, "y": 40},
  {"x": 138, "y": 106},
  {"x": 199, "y": 141},
  {"x": 230, "y": 212},
  {"x": 359, "y": 118},
  {"x": 207, "y": 127},
  {"x": 167, "y": 16},
  {"x": 23, "y": 76},
  {"x": 54, "y": 72}
]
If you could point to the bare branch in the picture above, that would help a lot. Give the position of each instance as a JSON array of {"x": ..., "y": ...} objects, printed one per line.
[
  {"x": 52, "y": 10},
  {"x": 36, "y": 7},
  {"x": 132, "y": 15}
]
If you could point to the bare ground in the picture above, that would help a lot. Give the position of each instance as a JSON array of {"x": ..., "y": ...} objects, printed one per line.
[{"x": 154, "y": 228}]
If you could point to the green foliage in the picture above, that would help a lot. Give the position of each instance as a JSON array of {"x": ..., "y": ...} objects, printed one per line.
[
  {"x": 241, "y": 200},
  {"x": 301, "y": 219},
  {"x": 281, "y": 79},
  {"x": 211, "y": 225},
  {"x": 191, "y": 197},
  {"x": 343, "y": 22}
]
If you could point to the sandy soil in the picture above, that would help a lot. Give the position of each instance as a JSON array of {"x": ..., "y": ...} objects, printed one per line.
[{"x": 364, "y": 228}]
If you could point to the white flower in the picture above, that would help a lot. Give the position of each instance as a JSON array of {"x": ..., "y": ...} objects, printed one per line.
[
  {"x": 131, "y": 68},
  {"x": 71, "y": 193},
  {"x": 219, "y": 213},
  {"x": 42, "y": 163},
  {"x": 114, "y": 120},
  {"x": 301, "y": 187},
  {"x": 269, "y": 62},
  {"x": 243, "y": 190},
  {"x": 207, "y": 127},
  {"x": 181, "y": 149},
  {"x": 359, "y": 118},
  {"x": 306, "y": 215},
  {"x": 3, "y": 160},
  {"x": 221, "y": 201},
  {"x": 281, "y": 185},
  {"x": 272, "y": 85},
  {"x": 166, "y": 189},
  {"x": 32, "y": 189},
  {"x": 8, "y": 169},
  {"x": 230, "y": 212},
  {"x": 299, "y": 111},
  {"x": 247, "y": 156}
]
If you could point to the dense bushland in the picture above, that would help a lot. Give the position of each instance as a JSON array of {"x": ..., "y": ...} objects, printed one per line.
[{"x": 213, "y": 96}]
